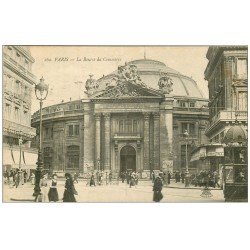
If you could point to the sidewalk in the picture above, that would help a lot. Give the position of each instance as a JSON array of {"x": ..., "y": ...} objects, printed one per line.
[{"x": 181, "y": 185}]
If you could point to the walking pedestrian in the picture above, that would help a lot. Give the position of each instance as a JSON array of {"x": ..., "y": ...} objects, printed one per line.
[
  {"x": 169, "y": 177},
  {"x": 158, "y": 184},
  {"x": 132, "y": 179},
  {"x": 136, "y": 178},
  {"x": 75, "y": 177},
  {"x": 17, "y": 178},
  {"x": 32, "y": 178},
  {"x": 69, "y": 192},
  {"x": 182, "y": 176},
  {"x": 216, "y": 179},
  {"x": 25, "y": 176},
  {"x": 110, "y": 177},
  {"x": 123, "y": 176},
  {"x": 153, "y": 176},
  {"x": 92, "y": 180},
  {"x": 128, "y": 176},
  {"x": 44, "y": 189},
  {"x": 53, "y": 193}
]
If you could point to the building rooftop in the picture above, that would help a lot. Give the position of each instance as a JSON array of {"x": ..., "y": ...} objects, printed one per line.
[{"x": 150, "y": 71}]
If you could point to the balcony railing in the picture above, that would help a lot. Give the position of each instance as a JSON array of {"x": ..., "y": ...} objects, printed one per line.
[
  {"x": 26, "y": 72},
  {"x": 228, "y": 115},
  {"x": 56, "y": 114},
  {"x": 127, "y": 134},
  {"x": 16, "y": 128},
  {"x": 190, "y": 136}
]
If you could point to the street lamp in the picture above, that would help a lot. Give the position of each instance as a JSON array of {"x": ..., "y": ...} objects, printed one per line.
[
  {"x": 20, "y": 141},
  {"x": 186, "y": 134},
  {"x": 41, "y": 92}
]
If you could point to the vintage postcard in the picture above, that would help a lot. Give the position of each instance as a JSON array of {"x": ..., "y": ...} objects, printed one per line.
[{"x": 125, "y": 123}]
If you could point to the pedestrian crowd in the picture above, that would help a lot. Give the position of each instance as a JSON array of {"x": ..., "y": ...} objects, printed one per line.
[
  {"x": 51, "y": 195},
  {"x": 206, "y": 178},
  {"x": 16, "y": 177},
  {"x": 102, "y": 178},
  {"x": 131, "y": 177}
]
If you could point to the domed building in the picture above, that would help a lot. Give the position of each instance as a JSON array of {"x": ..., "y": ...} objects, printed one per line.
[{"x": 133, "y": 119}]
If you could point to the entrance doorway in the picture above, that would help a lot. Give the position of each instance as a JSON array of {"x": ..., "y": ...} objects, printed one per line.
[{"x": 127, "y": 159}]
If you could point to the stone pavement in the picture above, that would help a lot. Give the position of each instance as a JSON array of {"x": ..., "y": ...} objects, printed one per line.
[{"x": 115, "y": 193}]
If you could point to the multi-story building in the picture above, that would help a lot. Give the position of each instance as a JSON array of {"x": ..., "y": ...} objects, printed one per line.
[
  {"x": 133, "y": 118},
  {"x": 18, "y": 83},
  {"x": 226, "y": 152}
]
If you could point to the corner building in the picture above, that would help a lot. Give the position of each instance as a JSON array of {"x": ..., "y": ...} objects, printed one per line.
[
  {"x": 133, "y": 118},
  {"x": 18, "y": 84}
]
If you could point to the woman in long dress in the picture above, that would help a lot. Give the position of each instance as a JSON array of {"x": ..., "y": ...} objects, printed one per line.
[
  {"x": 92, "y": 180},
  {"x": 53, "y": 193},
  {"x": 69, "y": 192},
  {"x": 158, "y": 184}
]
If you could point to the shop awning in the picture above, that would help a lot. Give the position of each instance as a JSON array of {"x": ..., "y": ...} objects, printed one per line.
[
  {"x": 7, "y": 158},
  {"x": 198, "y": 154},
  {"x": 30, "y": 160},
  {"x": 215, "y": 150},
  {"x": 12, "y": 157},
  {"x": 206, "y": 151}
]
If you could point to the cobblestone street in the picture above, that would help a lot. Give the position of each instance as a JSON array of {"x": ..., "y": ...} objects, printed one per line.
[{"x": 117, "y": 193}]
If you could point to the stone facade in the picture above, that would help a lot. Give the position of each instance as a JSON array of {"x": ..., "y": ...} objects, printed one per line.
[
  {"x": 226, "y": 74},
  {"x": 18, "y": 84},
  {"x": 124, "y": 123}
]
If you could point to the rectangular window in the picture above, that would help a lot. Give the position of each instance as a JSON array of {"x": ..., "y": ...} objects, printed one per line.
[
  {"x": 76, "y": 129},
  {"x": 191, "y": 128},
  {"x": 70, "y": 129},
  {"x": 128, "y": 126},
  {"x": 73, "y": 157},
  {"x": 25, "y": 114},
  {"x": 7, "y": 110},
  {"x": 135, "y": 129},
  {"x": 242, "y": 68},
  {"x": 183, "y": 104},
  {"x": 121, "y": 126},
  {"x": 242, "y": 101},
  {"x": 184, "y": 127},
  {"x": 17, "y": 114},
  {"x": 191, "y": 104},
  {"x": 46, "y": 132}
]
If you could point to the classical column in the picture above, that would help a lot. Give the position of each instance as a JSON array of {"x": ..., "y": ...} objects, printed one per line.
[
  {"x": 97, "y": 140},
  {"x": 166, "y": 133},
  {"x": 146, "y": 141},
  {"x": 107, "y": 141},
  {"x": 88, "y": 138},
  {"x": 157, "y": 141},
  {"x": 116, "y": 157}
]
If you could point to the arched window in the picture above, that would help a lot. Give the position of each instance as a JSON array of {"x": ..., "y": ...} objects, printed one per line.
[
  {"x": 47, "y": 158},
  {"x": 73, "y": 153}
]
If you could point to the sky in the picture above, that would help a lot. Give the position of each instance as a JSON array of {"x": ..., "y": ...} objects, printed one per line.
[{"x": 66, "y": 68}]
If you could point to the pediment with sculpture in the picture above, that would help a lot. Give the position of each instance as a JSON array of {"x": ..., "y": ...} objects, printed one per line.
[
  {"x": 127, "y": 83},
  {"x": 128, "y": 89}
]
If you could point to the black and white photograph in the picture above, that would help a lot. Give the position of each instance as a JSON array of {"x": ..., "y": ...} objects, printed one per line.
[{"x": 125, "y": 123}]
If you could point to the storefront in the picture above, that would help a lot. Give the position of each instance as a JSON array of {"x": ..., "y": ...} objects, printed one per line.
[
  {"x": 207, "y": 157},
  {"x": 12, "y": 159}
]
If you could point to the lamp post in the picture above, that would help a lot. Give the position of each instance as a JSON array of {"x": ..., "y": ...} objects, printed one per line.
[
  {"x": 186, "y": 134},
  {"x": 20, "y": 140},
  {"x": 41, "y": 92}
]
